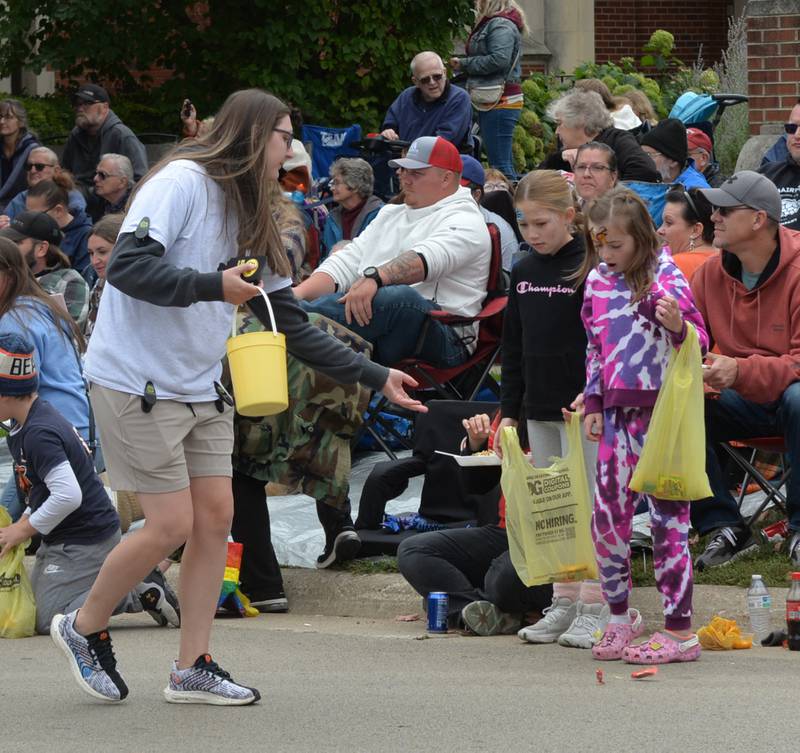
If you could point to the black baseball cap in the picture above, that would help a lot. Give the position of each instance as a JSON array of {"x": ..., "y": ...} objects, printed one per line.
[
  {"x": 91, "y": 93},
  {"x": 37, "y": 225}
]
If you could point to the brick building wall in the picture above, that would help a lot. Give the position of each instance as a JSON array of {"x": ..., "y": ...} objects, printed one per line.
[
  {"x": 773, "y": 61},
  {"x": 622, "y": 27}
]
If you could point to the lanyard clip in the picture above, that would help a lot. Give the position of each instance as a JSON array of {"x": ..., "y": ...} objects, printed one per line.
[{"x": 149, "y": 397}]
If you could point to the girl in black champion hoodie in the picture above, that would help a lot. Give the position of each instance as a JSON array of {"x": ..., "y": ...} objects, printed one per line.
[{"x": 544, "y": 357}]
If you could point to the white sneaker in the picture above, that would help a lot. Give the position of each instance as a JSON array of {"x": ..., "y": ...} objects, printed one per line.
[
  {"x": 587, "y": 627},
  {"x": 557, "y": 619}
]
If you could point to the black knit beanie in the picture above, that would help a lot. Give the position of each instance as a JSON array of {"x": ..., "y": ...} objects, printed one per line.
[{"x": 669, "y": 138}]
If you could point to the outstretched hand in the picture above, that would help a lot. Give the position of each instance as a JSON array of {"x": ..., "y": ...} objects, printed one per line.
[{"x": 394, "y": 390}]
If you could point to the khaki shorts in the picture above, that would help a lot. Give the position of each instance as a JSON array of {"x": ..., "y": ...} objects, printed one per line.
[{"x": 160, "y": 451}]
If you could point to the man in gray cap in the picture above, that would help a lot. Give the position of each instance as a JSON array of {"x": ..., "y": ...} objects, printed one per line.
[
  {"x": 749, "y": 296},
  {"x": 98, "y": 131}
]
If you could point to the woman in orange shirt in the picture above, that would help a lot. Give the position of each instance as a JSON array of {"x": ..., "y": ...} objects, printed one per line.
[{"x": 687, "y": 229}]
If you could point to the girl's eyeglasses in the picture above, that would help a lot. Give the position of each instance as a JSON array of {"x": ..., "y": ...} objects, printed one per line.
[{"x": 287, "y": 136}]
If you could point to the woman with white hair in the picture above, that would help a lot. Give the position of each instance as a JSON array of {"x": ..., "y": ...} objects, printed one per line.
[
  {"x": 582, "y": 117},
  {"x": 351, "y": 182}
]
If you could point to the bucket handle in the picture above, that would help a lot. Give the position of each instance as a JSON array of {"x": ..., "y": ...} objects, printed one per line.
[{"x": 269, "y": 309}]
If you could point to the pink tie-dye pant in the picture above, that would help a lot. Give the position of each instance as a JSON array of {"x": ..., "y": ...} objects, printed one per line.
[{"x": 624, "y": 431}]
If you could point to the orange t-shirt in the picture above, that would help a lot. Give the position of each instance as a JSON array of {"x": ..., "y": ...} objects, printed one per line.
[{"x": 690, "y": 261}]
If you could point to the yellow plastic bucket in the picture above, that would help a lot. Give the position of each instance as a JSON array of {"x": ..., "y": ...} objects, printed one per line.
[{"x": 257, "y": 362}]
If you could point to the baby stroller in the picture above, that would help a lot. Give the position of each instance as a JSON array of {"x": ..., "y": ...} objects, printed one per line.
[{"x": 704, "y": 111}]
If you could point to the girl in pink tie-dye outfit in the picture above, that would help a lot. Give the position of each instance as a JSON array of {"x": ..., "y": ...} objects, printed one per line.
[{"x": 636, "y": 305}]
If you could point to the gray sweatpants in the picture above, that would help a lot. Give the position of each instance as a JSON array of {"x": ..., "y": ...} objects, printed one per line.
[{"x": 63, "y": 574}]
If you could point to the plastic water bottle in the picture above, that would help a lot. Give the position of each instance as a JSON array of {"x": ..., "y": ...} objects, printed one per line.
[{"x": 759, "y": 604}]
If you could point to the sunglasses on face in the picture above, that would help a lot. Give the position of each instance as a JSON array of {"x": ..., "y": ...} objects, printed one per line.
[
  {"x": 38, "y": 166},
  {"x": 103, "y": 175},
  {"x": 790, "y": 128},
  {"x": 425, "y": 80},
  {"x": 725, "y": 211}
]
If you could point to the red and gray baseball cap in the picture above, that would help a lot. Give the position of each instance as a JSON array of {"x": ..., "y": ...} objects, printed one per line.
[
  {"x": 749, "y": 189},
  {"x": 430, "y": 151}
]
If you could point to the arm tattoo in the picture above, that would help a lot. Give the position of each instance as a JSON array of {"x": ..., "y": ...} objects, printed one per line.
[{"x": 406, "y": 269}]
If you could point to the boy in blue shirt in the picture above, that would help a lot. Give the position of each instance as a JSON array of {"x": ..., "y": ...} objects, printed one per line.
[{"x": 67, "y": 506}]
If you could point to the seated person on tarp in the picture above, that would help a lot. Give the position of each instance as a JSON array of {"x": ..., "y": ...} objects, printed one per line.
[
  {"x": 66, "y": 502},
  {"x": 446, "y": 498},
  {"x": 473, "y": 565}
]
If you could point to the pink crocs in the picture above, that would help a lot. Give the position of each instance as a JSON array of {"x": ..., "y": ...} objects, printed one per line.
[
  {"x": 614, "y": 641},
  {"x": 662, "y": 648}
]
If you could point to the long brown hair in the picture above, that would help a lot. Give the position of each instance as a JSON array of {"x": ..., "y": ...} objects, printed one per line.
[
  {"x": 624, "y": 208},
  {"x": 234, "y": 154},
  {"x": 54, "y": 191},
  {"x": 20, "y": 282}
]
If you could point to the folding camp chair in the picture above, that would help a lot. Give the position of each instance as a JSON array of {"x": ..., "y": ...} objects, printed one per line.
[
  {"x": 327, "y": 144},
  {"x": 462, "y": 382},
  {"x": 771, "y": 487}
]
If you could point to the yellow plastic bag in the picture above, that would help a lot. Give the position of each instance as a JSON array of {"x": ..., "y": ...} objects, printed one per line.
[
  {"x": 548, "y": 513},
  {"x": 673, "y": 460},
  {"x": 17, "y": 607},
  {"x": 723, "y": 635}
]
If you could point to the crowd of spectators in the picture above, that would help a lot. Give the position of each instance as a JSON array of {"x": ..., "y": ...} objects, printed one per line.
[{"x": 373, "y": 274}]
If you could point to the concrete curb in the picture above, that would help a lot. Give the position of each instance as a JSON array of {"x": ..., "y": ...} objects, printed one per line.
[{"x": 343, "y": 594}]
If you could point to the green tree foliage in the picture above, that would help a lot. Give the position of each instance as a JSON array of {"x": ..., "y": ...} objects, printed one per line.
[{"x": 338, "y": 61}]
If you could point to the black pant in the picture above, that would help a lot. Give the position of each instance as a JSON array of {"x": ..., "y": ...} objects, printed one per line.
[
  {"x": 469, "y": 564},
  {"x": 260, "y": 573},
  {"x": 387, "y": 480}
]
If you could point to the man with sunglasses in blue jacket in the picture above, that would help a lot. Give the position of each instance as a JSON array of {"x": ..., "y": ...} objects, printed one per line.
[{"x": 431, "y": 107}]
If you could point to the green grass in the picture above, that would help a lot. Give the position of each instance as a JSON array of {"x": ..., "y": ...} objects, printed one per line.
[
  {"x": 773, "y": 567},
  {"x": 369, "y": 565}
]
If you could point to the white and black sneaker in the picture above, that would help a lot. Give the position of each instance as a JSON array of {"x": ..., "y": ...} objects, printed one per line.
[
  {"x": 271, "y": 603},
  {"x": 91, "y": 659},
  {"x": 206, "y": 682},
  {"x": 159, "y": 600},
  {"x": 340, "y": 547},
  {"x": 725, "y": 546}
]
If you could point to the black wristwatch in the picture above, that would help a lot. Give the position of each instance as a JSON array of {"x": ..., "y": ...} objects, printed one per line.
[{"x": 373, "y": 274}]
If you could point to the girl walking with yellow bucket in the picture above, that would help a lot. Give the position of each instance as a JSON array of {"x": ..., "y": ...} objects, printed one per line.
[{"x": 154, "y": 363}]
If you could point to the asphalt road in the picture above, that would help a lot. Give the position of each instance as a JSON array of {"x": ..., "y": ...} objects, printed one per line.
[{"x": 353, "y": 684}]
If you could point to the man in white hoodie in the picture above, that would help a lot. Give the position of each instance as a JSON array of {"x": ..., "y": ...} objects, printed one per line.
[{"x": 432, "y": 252}]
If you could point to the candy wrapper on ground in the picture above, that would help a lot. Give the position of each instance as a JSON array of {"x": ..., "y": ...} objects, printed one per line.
[
  {"x": 723, "y": 635},
  {"x": 231, "y": 598}
]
